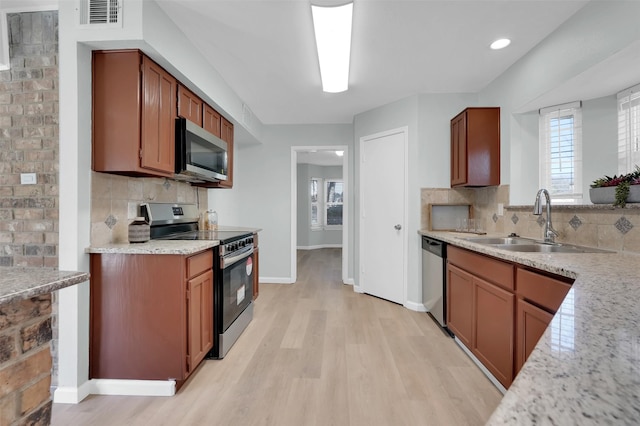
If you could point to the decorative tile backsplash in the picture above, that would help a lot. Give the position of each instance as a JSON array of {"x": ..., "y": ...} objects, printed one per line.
[
  {"x": 115, "y": 200},
  {"x": 589, "y": 225}
]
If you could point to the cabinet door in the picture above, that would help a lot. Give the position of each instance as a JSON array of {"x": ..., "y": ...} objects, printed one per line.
[
  {"x": 531, "y": 322},
  {"x": 493, "y": 343},
  {"x": 212, "y": 121},
  {"x": 460, "y": 304},
  {"x": 200, "y": 319},
  {"x": 226, "y": 129},
  {"x": 458, "y": 150},
  {"x": 189, "y": 105},
  {"x": 158, "y": 118}
]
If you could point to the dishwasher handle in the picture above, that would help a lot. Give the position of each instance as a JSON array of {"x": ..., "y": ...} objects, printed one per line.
[{"x": 434, "y": 246}]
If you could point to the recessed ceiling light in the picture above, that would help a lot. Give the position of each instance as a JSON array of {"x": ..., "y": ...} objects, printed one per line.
[
  {"x": 500, "y": 43},
  {"x": 332, "y": 27},
  {"x": 339, "y": 153}
]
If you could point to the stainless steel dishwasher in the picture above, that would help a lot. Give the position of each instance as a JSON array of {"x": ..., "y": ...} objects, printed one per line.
[{"x": 434, "y": 291}]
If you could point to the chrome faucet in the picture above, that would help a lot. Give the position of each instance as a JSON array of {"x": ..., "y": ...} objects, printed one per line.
[{"x": 549, "y": 233}]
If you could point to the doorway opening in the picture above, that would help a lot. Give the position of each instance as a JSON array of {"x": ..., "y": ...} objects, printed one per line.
[{"x": 319, "y": 201}]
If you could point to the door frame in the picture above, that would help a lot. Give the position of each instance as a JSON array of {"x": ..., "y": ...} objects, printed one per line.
[
  {"x": 361, "y": 287},
  {"x": 345, "y": 207}
]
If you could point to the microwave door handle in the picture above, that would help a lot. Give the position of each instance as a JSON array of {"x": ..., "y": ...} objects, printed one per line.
[{"x": 228, "y": 261}]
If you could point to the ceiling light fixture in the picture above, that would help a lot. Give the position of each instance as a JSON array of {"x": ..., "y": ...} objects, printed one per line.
[
  {"x": 500, "y": 43},
  {"x": 339, "y": 153},
  {"x": 332, "y": 26}
]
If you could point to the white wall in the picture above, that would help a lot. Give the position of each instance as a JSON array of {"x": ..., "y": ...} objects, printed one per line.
[
  {"x": 308, "y": 238},
  {"x": 593, "y": 35},
  {"x": 261, "y": 194}
]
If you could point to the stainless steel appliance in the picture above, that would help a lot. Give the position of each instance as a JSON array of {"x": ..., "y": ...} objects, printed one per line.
[
  {"x": 434, "y": 282},
  {"x": 233, "y": 268},
  {"x": 200, "y": 155}
]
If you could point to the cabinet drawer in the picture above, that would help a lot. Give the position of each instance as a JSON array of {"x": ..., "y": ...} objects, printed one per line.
[
  {"x": 199, "y": 263},
  {"x": 496, "y": 271},
  {"x": 545, "y": 291}
]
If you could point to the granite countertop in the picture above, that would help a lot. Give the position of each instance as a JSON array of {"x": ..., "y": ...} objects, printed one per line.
[
  {"x": 586, "y": 367},
  {"x": 21, "y": 283},
  {"x": 180, "y": 247}
]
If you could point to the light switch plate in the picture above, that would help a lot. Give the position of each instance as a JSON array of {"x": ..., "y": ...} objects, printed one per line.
[{"x": 28, "y": 178}]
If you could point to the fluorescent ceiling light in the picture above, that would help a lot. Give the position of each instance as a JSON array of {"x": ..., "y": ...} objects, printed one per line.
[
  {"x": 332, "y": 27},
  {"x": 500, "y": 43}
]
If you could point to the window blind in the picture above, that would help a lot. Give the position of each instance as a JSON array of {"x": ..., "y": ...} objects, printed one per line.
[
  {"x": 561, "y": 151},
  {"x": 628, "y": 129}
]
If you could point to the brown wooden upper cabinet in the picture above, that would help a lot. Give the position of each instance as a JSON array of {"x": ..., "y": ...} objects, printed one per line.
[
  {"x": 190, "y": 106},
  {"x": 212, "y": 121},
  {"x": 133, "y": 115},
  {"x": 475, "y": 147}
]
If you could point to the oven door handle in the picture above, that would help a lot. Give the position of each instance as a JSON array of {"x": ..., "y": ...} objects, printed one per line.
[{"x": 228, "y": 261}]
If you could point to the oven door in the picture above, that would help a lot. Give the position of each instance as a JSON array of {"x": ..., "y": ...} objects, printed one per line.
[{"x": 237, "y": 285}]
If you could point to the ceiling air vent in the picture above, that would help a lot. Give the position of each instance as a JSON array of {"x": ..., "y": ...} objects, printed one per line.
[{"x": 101, "y": 12}]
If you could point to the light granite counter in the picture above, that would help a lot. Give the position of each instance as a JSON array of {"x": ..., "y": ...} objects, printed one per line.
[
  {"x": 585, "y": 369},
  {"x": 179, "y": 247},
  {"x": 23, "y": 283}
]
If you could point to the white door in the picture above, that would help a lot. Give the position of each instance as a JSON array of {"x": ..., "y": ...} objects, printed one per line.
[{"x": 383, "y": 215}]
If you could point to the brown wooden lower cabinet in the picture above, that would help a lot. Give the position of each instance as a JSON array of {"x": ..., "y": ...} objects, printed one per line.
[
  {"x": 539, "y": 297},
  {"x": 151, "y": 316},
  {"x": 460, "y": 304},
  {"x": 499, "y": 310},
  {"x": 531, "y": 324},
  {"x": 493, "y": 343}
]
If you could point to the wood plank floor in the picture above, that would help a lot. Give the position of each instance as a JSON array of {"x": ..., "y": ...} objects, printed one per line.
[{"x": 316, "y": 353}]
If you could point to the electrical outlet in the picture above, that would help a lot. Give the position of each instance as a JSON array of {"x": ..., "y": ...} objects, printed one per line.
[
  {"x": 28, "y": 179},
  {"x": 500, "y": 209}
]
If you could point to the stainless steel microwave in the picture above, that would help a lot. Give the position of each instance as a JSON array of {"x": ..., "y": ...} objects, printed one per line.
[{"x": 201, "y": 156}]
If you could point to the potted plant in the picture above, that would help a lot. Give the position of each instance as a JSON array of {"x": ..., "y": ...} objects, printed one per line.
[{"x": 616, "y": 190}]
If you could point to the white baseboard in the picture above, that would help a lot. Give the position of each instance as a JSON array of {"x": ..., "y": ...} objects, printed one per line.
[
  {"x": 321, "y": 246},
  {"x": 476, "y": 361},
  {"x": 72, "y": 395},
  {"x": 358, "y": 289},
  {"x": 349, "y": 281},
  {"x": 418, "y": 307},
  {"x": 275, "y": 280},
  {"x": 133, "y": 387}
]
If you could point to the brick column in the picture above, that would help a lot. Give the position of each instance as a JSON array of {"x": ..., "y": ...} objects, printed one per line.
[
  {"x": 25, "y": 362},
  {"x": 29, "y": 142}
]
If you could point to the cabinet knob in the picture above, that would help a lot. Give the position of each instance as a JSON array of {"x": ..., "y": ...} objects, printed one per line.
[{"x": 398, "y": 227}]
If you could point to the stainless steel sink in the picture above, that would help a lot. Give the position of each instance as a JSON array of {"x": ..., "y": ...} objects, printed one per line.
[
  {"x": 530, "y": 245},
  {"x": 549, "y": 248},
  {"x": 501, "y": 241}
]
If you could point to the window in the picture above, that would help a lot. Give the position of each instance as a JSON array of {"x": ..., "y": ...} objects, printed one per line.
[
  {"x": 315, "y": 210},
  {"x": 326, "y": 197},
  {"x": 561, "y": 152},
  {"x": 628, "y": 129},
  {"x": 333, "y": 205}
]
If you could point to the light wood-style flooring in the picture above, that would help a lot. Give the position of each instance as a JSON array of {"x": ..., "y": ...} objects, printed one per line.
[{"x": 317, "y": 353}]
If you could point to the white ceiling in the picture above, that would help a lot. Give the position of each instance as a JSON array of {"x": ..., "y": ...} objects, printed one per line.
[{"x": 265, "y": 49}]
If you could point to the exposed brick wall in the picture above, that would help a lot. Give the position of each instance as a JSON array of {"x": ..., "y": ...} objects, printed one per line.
[
  {"x": 25, "y": 362},
  {"x": 29, "y": 142}
]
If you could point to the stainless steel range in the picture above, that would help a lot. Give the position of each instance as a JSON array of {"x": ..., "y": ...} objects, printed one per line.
[{"x": 233, "y": 267}]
